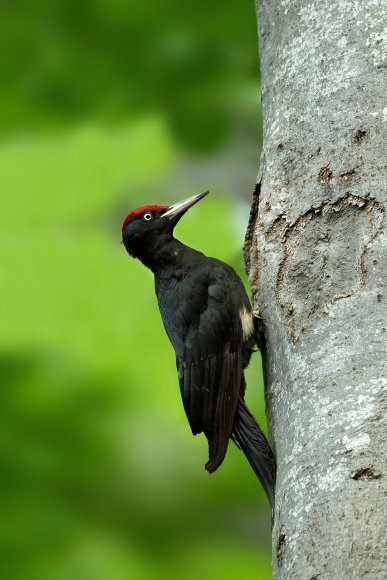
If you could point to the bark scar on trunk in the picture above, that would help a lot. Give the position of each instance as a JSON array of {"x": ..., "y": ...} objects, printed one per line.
[
  {"x": 366, "y": 474},
  {"x": 250, "y": 246},
  {"x": 280, "y": 550},
  {"x": 326, "y": 248}
]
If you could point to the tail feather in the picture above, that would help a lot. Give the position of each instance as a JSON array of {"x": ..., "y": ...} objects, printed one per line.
[{"x": 251, "y": 439}]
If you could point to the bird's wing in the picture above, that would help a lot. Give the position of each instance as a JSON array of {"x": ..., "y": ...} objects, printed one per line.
[{"x": 202, "y": 319}]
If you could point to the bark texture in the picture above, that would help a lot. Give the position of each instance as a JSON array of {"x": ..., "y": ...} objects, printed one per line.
[{"x": 316, "y": 258}]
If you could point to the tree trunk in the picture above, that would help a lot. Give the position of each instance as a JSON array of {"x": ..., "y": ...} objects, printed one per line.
[{"x": 316, "y": 257}]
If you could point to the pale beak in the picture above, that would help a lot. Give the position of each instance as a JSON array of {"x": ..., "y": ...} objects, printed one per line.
[{"x": 178, "y": 209}]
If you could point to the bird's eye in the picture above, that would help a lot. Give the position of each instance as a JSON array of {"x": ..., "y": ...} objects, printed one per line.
[{"x": 147, "y": 216}]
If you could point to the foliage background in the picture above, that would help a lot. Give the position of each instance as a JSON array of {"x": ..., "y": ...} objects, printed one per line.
[{"x": 103, "y": 107}]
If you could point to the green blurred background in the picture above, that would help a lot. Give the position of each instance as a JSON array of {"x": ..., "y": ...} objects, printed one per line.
[{"x": 105, "y": 106}]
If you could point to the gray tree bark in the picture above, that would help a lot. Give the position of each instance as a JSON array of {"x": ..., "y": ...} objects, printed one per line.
[{"x": 316, "y": 257}]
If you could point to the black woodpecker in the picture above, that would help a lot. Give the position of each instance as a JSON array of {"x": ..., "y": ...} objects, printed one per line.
[{"x": 208, "y": 319}]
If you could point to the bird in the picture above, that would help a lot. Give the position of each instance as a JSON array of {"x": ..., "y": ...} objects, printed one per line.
[{"x": 208, "y": 318}]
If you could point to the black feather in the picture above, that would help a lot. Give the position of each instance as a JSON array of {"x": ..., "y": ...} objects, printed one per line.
[{"x": 250, "y": 438}]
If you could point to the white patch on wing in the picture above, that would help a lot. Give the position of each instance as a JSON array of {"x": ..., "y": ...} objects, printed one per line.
[{"x": 247, "y": 322}]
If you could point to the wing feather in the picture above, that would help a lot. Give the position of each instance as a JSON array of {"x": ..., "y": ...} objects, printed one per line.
[{"x": 206, "y": 332}]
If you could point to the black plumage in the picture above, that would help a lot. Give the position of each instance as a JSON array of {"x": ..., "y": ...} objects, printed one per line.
[{"x": 208, "y": 319}]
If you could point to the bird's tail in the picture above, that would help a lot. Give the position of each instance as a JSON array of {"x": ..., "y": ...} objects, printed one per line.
[{"x": 248, "y": 435}]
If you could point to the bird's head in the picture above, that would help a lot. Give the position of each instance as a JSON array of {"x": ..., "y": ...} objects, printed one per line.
[{"x": 151, "y": 225}]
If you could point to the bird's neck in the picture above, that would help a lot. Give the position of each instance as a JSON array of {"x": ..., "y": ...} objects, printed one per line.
[{"x": 162, "y": 252}]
